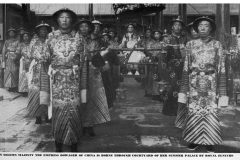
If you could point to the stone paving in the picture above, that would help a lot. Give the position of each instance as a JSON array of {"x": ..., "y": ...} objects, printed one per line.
[{"x": 137, "y": 126}]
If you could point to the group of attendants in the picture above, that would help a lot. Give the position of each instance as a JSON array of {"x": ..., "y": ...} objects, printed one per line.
[{"x": 71, "y": 74}]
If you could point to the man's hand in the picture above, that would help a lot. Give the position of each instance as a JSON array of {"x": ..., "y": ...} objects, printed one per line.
[
  {"x": 106, "y": 67},
  {"x": 104, "y": 52}
]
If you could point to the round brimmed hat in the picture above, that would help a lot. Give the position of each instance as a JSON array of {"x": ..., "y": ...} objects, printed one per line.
[
  {"x": 65, "y": 10},
  {"x": 43, "y": 24},
  {"x": 133, "y": 24},
  {"x": 148, "y": 28},
  {"x": 165, "y": 34},
  {"x": 112, "y": 30},
  {"x": 26, "y": 32},
  {"x": 96, "y": 22},
  {"x": 106, "y": 34},
  {"x": 179, "y": 19},
  {"x": 157, "y": 30},
  {"x": 204, "y": 18},
  {"x": 83, "y": 20},
  {"x": 21, "y": 28},
  {"x": 11, "y": 29}
]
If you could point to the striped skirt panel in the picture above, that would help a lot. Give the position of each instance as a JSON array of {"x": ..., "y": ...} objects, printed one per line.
[
  {"x": 11, "y": 74},
  {"x": 181, "y": 116},
  {"x": 66, "y": 124},
  {"x": 97, "y": 109},
  {"x": 33, "y": 106},
  {"x": 44, "y": 79},
  {"x": 23, "y": 82},
  {"x": 203, "y": 130}
]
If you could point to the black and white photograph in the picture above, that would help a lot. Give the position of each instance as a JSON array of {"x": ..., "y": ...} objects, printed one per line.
[{"x": 120, "y": 78}]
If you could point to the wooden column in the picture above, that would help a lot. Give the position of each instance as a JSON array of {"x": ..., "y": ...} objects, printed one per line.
[
  {"x": 26, "y": 14},
  {"x": 159, "y": 20},
  {"x": 223, "y": 35},
  {"x": 118, "y": 25},
  {"x": 223, "y": 23},
  {"x": 182, "y": 11},
  {"x": 238, "y": 19},
  {"x": 91, "y": 12},
  {"x": 5, "y": 8},
  {"x": 3, "y": 22}
]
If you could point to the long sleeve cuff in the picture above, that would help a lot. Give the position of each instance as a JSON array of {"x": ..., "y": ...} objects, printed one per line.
[
  {"x": 84, "y": 96},
  {"x": 182, "y": 98},
  {"x": 223, "y": 101}
]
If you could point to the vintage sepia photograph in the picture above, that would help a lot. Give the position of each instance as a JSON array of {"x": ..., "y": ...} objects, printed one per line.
[{"x": 120, "y": 77}]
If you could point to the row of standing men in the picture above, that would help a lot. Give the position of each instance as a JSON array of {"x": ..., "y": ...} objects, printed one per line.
[
  {"x": 67, "y": 84},
  {"x": 59, "y": 70}
]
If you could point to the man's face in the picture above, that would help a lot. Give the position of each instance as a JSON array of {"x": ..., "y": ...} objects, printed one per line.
[
  {"x": 105, "y": 38},
  {"x": 64, "y": 20},
  {"x": 130, "y": 28},
  {"x": 177, "y": 27},
  {"x": 84, "y": 28},
  {"x": 204, "y": 28},
  {"x": 25, "y": 37},
  {"x": 166, "y": 39},
  {"x": 148, "y": 33},
  {"x": 43, "y": 32},
  {"x": 11, "y": 34},
  {"x": 105, "y": 30},
  {"x": 157, "y": 35},
  {"x": 97, "y": 28},
  {"x": 21, "y": 31},
  {"x": 112, "y": 34}
]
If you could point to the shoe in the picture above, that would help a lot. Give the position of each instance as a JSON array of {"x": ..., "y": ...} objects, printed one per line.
[
  {"x": 210, "y": 149},
  {"x": 88, "y": 131},
  {"x": 74, "y": 147},
  {"x": 58, "y": 146},
  {"x": 10, "y": 90},
  {"x": 192, "y": 146},
  {"x": 155, "y": 97},
  {"x": 91, "y": 132},
  {"x": 25, "y": 94},
  {"x": 137, "y": 73},
  {"x": 85, "y": 131},
  {"x": 129, "y": 73},
  {"x": 48, "y": 120},
  {"x": 38, "y": 120},
  {"x": 147, "y": 95}
]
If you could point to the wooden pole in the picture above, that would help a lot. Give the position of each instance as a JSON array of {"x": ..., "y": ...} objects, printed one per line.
[
  {"x": 239, "y": 19},
  {"x": 4, "y": 22},
  {"x": 157, "y": 21},
  {"x": 182, "y": 11},
  {"x": 118, "y": 27},
  {"x": 223, "y": 24},
  {"x": 26, "y": 14},
  {"x": 1, "y": 22},
  {"x": 223, "y": 35},
  {"x": 1, "y": 44},
  {"x": 91, "y": 12},
  {"x": 161, "y": 21}
]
